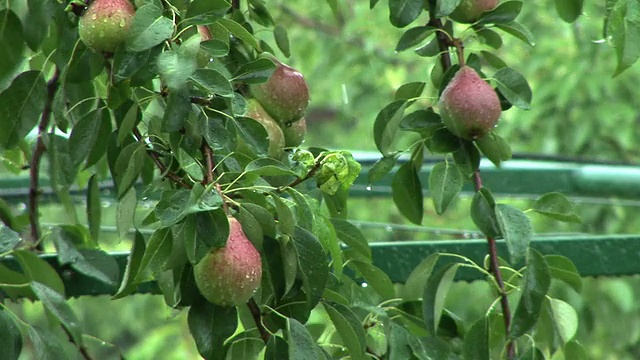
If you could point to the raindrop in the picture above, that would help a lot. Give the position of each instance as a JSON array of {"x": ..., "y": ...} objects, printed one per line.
[
  {"x": 388, "y": 228},
  {"x": 94, "y": 16},
  {"x": 368, "y": 188},
  {"x": 21, "y": 207},
  {"x": 122, "y": 23},
  {"x": 364, "y": 285},
  {"x": 466, "y": 235}
]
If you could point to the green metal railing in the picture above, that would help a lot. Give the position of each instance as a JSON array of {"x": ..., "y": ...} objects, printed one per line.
[{"x": 602, "y": 255}]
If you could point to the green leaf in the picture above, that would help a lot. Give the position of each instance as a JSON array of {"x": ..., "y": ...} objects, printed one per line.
[
  {"x": 62, "y": 169},
  {"x": 537, "y": 280},
  {"x": 39, "y": 270},
  {"x": 467, "y": 158},
  {"x": 476, "y": 341},
  {"x": 255, "y": 72},
  {"x": 126, "y": 64},
  {"x": 516, "y": 228},
  {"x": 125, "y": 212},
  {"x": 326, "y": 233},
  {"x": 282, "y": 39},
  {"x": 48, "y": 345},
  {"x": 410, "y": 91},
  {"x": 399, "y": 348},
  {"x": 268, "y": 167},
  {"x": 483, "y": 213},
  {"x": 100, "y": 146},
  {"x": 176, "y": 67},
  {"x": 556, "y": 206},
  {"x": 57, "y": 305},
  {"x": 561, "y": 268},
  {"x": 286, "y": 220},
  {"x": 11, "y": 339},
  {"x": 386, "y": 125},
  {"x": 277, "y": 348},
  {"x": 212, "y": 81},
  {"x": 435, "y": 292},
  {"x": 504, "y": 13},
  {"x": 623, "y": 30},
  {"x": 39, "y": 13},
  {"x": 445, "y": 182},
  {"x": 443, "y": 141},
  {"x": 312, "y": 264},
  {"x": 210, "y": 325},
  {"x": 495, "y": 148},
  {"x": 428, "y": 348},
  {"x": 14, "y": 284},
  {"x": 565, "y": 319},
  {"x": 301, "y": 344},
  {"x": 413, "y": 287},
  {"x": 157, "y": 252},
  {"x": 134, "y": 260},
  {"x": 8, "y": 238},
  {"x": 94, "y": 207},
  {"x": 240, "y": 32},
  {"x": 424, "y": 122},
  {"x": 148, "y": 28},
  {"x": 204, "y": 12},
  {"x": 350, "y": 329},
  {"x": 518, "y": 31},
  {"x": 21, "y": 103},
  {"x": 128, "y": 166},
  {"x": 177, "y": 111},
  {"x": 85, "y": 261},
  {"x": 352, "y": 237},
  {"x": 381, "y": 168},
  {"x": 569, "y": 10},
  {"x": 414, "y": 37},
  {"x": 13, "y": 41},
  {"x": 407, "y": 192},
  {"x": 377, "y": 279},
  {"x": 253, "y": 134},
  {"x": 573, "y": 350},
  {"x": 404, "y": 12},
  {"x": 514, "y": 87},
  {"x": 214, "y": 48},
  {"x": 251, "y": 227},
  {"x": 445, "y": 7}
]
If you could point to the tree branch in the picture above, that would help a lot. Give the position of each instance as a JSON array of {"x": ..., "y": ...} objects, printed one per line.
[
  {"x": 34, "y": 166},
  {"x": 161, "y": 166},
  {"x": 444, "y": 43},
  {"x": 257, "y": 317}
]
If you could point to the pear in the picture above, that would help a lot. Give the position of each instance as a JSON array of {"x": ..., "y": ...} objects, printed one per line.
[
  {"x": 105, "y": 23},
  {"x": 469, "y": 11},
  {"x": 285, "y": 95},
  {"x": 294, "y": 133},
  {"x": 229, "y": 276},
  {"x": 469, "y": 106},
  {"x": 276, "y": 137}
]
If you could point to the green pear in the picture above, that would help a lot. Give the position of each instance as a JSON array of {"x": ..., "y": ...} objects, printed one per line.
[
  {"x": 105, "y": 23},
  {"x": 229, "y": 276},
  {"x": 469, "y": 106},
  {"x": 469, "y": 11},
  {"x": 285, "y": 95},
  {"x": 294, "y": 132},
  {"x": 276, "y": 137}
]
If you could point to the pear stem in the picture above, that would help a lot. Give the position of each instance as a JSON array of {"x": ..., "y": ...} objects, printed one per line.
[{"x": 444, "y": 44}]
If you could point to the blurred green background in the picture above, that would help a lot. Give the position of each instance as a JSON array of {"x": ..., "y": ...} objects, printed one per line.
[{"x": 578, "y": 110}]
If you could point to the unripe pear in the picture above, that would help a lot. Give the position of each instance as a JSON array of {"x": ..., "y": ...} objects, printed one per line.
[
  {"x": 469, "y": 106},
  {"x": 469, "y": 11},
  {"x": 285, "y": 95},
  {"x": 229, "y": 276},
  {"x": 294, "y": 133},
  {"x": 276, "y": 136},
  {"x": 105, "y": 23}
]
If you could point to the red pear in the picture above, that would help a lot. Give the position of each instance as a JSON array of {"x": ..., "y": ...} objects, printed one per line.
[
  {"x": 285, "y": 95},
  {"x": 105, "y": 23},
  {"x": 294, "y": 133},
  {"x": 469, "y": 106},
  {"x": 229, "y": 276},
  {"x": 469, "y": 11}
]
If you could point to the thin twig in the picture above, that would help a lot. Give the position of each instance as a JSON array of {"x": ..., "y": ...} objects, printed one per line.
[
  {"x": 207, "y": 153},
  {"x": 444, "y": 43},
  {"x": 82, "y": 349},
  {"x": 299, "y": 180},
  {"x": 34, "y": 167},
  {"x": 161, "y": 166},
  {"x": 257, "y": 317}
]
